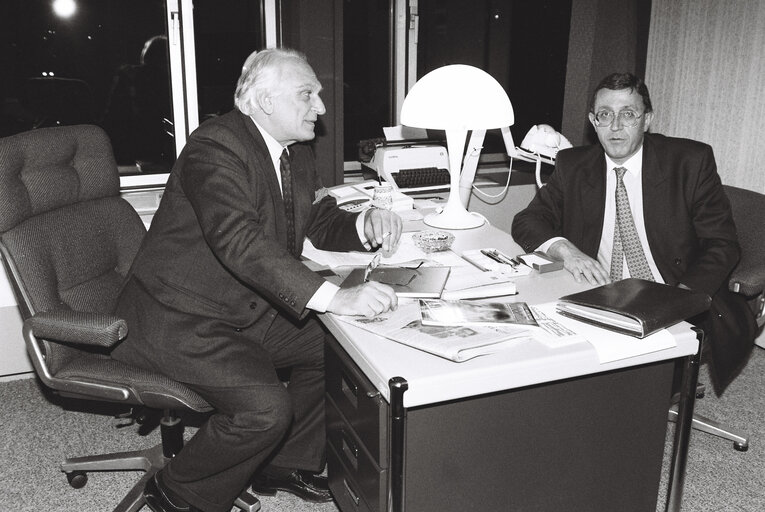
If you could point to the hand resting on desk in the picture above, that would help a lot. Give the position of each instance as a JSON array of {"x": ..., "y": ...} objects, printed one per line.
[{"x": 578, "y": 263}]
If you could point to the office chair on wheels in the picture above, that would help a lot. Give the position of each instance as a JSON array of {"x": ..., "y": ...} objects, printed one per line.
[
  {"x": 67, "y": 239},
  {"x": 748, "y": 279}
]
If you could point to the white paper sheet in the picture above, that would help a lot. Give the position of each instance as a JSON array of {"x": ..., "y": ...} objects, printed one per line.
[{"x": 611, "y": 345}]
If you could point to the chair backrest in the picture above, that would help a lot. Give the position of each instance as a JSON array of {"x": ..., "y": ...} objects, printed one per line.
[
  {"x": 66, "y": 233},
  {"x": 748, "y": 207}
]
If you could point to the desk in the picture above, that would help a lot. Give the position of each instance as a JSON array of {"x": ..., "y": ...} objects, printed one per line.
[{"x": 529, "y": 428}]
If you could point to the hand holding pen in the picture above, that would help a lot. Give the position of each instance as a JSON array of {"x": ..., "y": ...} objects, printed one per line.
[{"x": 382, "y": 229}]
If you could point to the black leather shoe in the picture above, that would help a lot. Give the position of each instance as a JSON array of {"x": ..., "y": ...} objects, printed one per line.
[
  {"x": 157, "y": 499},
  {"x": 303, "y": 484}
]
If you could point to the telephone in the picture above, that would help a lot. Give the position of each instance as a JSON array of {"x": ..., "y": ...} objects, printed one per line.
[
  {"x": 542, "y": 139},
  {"x": 541, "y": 144}
]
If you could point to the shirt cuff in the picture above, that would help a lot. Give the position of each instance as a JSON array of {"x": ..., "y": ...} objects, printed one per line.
[
  {"x": 323, "y": 296},
  {"x": 360, "y": 229},
  {"x": 545, "y": 246}
]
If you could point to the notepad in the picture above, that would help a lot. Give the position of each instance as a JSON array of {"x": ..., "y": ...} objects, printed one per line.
[{"x": 423, "y": 282}]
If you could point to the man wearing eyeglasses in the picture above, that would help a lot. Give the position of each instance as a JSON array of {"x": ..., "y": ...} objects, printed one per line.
[{"x": 643, "y": 205}]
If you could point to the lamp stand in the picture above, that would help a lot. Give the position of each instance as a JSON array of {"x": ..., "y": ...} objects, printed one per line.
[{"x": 454, "y": 215}]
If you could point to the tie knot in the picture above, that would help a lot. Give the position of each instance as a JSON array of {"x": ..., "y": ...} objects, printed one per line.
[
  {"x": 620, "y": 172},
  {"x": 285, "y": 157}
]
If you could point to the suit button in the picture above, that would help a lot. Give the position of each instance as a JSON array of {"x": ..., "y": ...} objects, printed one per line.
[
  {"x": 237, "y": 329},
  {"x": 292, "y": 302},
  {"x": 678, "y": 261},
  {"x": 253, "y": 305}
]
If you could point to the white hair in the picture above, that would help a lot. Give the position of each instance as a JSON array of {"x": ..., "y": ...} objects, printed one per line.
[{"x": 260, "y": 74}]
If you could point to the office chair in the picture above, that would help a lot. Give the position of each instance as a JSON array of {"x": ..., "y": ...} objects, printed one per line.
[
  {"x": 748, "y": 279},
  {"x": 67, "y": 239}
]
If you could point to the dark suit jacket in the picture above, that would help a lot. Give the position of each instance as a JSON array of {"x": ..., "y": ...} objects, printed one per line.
[
  {"x": 214, "y": 269},
  {"x": 688, "y": 222}
]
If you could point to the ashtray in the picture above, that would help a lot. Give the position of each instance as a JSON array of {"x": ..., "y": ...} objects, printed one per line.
[{"x": 433, "y": 241}]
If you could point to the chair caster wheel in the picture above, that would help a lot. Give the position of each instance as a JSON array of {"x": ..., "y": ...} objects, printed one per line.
[
  {"x": 77, "y": 479},
  {"x": 741, "y": 447}
]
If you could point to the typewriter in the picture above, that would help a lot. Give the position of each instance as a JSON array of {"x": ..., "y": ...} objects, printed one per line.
[{"x": 412, "y": 167}]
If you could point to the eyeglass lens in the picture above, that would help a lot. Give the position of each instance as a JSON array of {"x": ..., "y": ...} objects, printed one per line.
[{"x": 627, "y": 118}]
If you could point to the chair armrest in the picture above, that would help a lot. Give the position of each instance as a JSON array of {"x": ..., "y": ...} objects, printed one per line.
[
  {"x": 748, "y": 280},
  {"x": 78, "y": 327}
]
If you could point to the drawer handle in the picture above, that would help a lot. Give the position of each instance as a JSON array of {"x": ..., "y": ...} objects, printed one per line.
[
  {"x": 350, "y": 450},
  {"x": 354, "y": 496},
  {"x": 350, "y": 389}
]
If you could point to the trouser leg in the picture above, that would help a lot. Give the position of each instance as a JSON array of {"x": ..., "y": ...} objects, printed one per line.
[
  {"x": 303, "y": 447},
  {"x": 258, "y": 421}
]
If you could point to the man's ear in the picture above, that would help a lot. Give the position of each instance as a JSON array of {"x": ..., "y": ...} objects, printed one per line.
[
  {"x": 648, "y": 117},
  {"x": 591, "y": 117},
  {"x": 265, "y": 103}
]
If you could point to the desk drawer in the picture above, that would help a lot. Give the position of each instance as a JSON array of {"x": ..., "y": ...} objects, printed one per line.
[
  {"x": 361, "y": 476},
  {"x": 358, "y": 400},
  {"x": 344, "y": 489}
]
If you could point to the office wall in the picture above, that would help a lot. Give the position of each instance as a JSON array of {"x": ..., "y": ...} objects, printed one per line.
[
  {"x": 606, "y": 36},
  {"x": 315, "y": 27},
  {"x": 706, "y": 73}
]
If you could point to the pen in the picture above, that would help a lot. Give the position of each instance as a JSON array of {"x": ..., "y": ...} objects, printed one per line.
[{"x": 498, "y": 257}]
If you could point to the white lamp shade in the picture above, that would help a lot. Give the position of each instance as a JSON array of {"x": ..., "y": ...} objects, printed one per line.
[{"x": 458, "y": 97}]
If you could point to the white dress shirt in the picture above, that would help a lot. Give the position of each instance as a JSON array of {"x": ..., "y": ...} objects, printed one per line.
[
  {"x": 327, "y": 291},
  {"x": 633, "y": 184}
]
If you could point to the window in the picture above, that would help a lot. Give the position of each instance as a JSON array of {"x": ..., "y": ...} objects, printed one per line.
[
  {"x": 125, "y": 65},
  {"x": 522, "y": 44},
  {"x": 105, "y": 63}
]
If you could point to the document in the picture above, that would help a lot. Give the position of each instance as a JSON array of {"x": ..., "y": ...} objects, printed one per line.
[
  {"x": 609, "y": 345},
  {"x": 457, "y": 344}
]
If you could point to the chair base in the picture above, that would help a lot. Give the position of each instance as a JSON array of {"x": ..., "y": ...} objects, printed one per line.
[
  {"x": 150, "y": 460},
  {"x": 740, "y": 441}
]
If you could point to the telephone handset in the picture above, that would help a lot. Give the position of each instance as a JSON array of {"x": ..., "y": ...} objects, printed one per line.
[
  {"x": 541, "y": 144},
  {"x": 542, "y": 139}
]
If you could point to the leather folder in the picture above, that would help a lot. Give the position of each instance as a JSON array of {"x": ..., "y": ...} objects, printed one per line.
[{"x": 634, "y": 306}]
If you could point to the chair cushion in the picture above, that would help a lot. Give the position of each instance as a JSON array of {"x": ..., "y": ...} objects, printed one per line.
[
  {"x": 146, "y": 387},
  {"x": 49, "y": 168}
]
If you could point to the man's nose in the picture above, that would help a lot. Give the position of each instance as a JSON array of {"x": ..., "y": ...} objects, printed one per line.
[
  {"x": 318, "y": 106},
  {"x": 616, "y": 124}
]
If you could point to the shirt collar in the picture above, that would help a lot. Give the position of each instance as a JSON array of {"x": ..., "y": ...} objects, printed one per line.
[
  {"x": 274, "y": 147},
  {"x": 634, "y": 165}
]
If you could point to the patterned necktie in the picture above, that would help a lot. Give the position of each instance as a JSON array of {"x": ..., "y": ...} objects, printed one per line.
[
  {"x": 626, "y": 241},
  {"x": 284, "y": 167}
]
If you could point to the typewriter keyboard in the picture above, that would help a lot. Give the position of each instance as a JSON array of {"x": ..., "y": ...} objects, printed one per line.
[{"x": 421, "y": 177}]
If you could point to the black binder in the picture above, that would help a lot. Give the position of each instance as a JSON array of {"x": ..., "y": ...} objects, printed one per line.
[{"x": 634, "y": 306}]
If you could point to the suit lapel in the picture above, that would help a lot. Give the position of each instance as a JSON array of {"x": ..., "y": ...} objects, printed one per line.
[
  {"x": 267, "y": 173},
  {"x": 593, "y": 176}
]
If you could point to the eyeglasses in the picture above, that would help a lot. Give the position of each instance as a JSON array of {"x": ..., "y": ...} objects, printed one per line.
[{"x": 628, "y": 118}]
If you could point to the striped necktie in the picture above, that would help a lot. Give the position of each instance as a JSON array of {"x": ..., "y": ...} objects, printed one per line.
[
  {"x": 289, "y": 211},
  {"x": 626, "y": 241}
]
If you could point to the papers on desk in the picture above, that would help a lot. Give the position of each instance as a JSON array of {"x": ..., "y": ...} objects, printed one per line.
[
  {"x": 406, "y": 252},
  {"x": 455, "y": 343},
  {"x": 610, "y": 345}
]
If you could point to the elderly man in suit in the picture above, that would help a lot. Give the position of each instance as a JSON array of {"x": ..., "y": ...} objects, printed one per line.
[
  {"x": 643, "y": 205},
  {"x": 218, "y": 299}
]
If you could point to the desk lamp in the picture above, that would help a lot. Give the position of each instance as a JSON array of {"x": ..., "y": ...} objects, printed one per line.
[{"x": 457, "y": 98}]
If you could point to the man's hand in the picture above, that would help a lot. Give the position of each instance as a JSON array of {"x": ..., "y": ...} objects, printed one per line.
[
  {"x": 578, "y": 263},
  {"x": 368, "y": 299},
  {"x": 382, "y": 229}
]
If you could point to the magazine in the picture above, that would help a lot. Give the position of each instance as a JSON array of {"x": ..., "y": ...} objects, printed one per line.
[
  {"x": 457, "y": 343},
  {"x": 461, "y": 312}
]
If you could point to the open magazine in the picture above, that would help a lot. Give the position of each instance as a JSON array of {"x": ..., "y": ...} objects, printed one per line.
[{"x": 457, "y": 343}]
